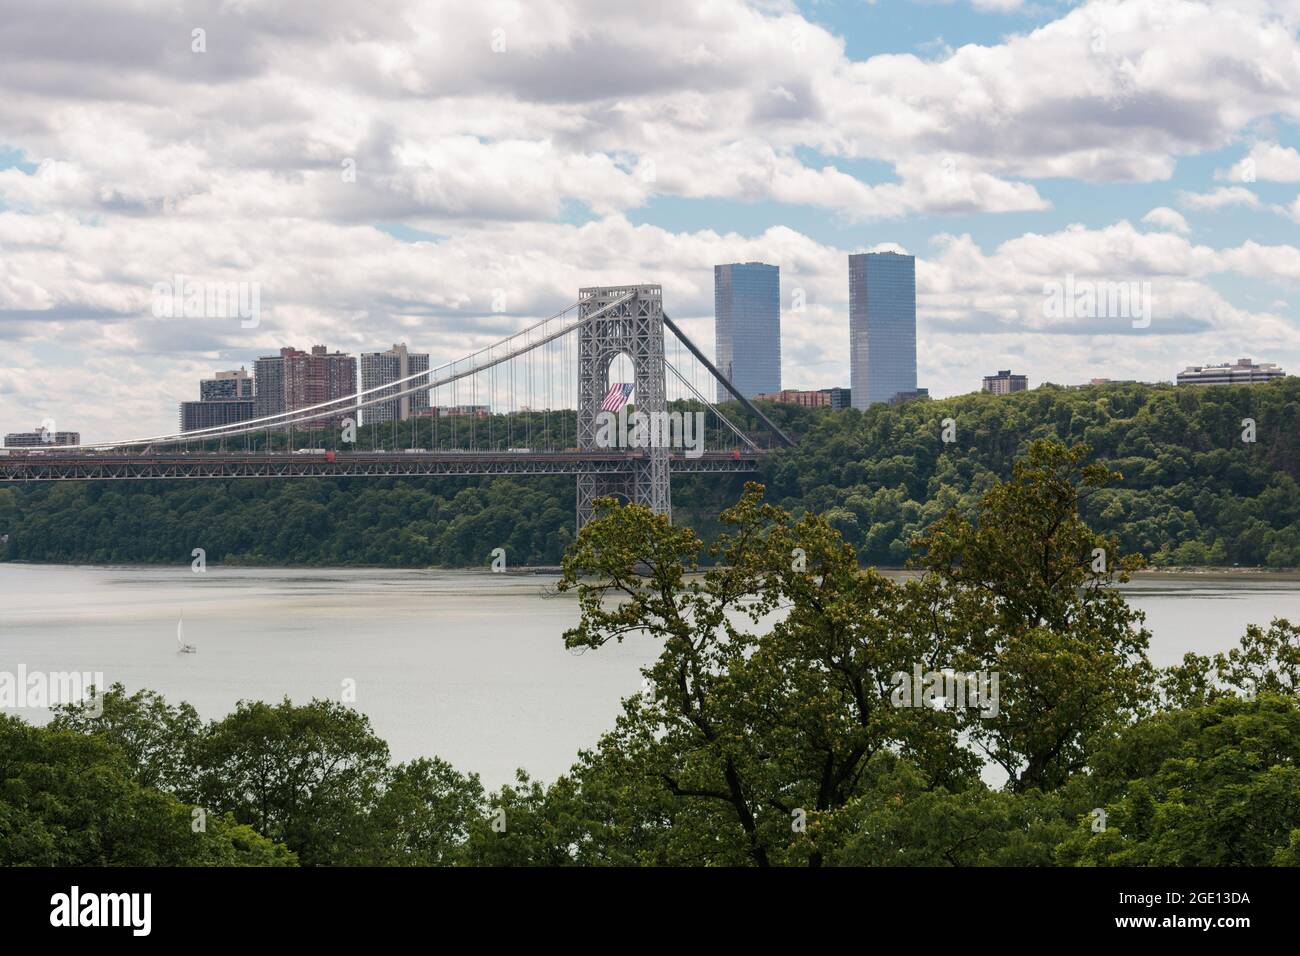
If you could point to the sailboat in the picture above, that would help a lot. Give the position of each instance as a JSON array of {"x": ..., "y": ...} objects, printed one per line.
[{"x": 181, "y": 646}]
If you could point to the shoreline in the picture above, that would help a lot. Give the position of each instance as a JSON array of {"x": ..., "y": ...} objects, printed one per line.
[
  {"x": 1206, "y": 572},
  {"x": 521, "y": 570}
]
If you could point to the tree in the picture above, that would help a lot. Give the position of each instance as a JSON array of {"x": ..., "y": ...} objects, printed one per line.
[
  {"x": 901, "y": 821},
  {"x": 423, "y": 815},
  {"x": 530, "y": 824},
  {"x": 68, "y": 799},
  {"x": 1264, "y": 661},
  {"x": 1030, "y": 586},
  {"x": 306, "y": 776},
  {"x": 775, "y": 686},
  {"x": 155, "y": 738},
  {"x": 1215, "y": 785},
  {"x": 756, "y": 734}
]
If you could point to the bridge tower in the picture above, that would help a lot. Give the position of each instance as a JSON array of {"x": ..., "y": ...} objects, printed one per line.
[{"x": 636, "y": 329}]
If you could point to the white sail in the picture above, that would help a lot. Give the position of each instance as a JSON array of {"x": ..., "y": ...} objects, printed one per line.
[{"x": 181, "y": 646}]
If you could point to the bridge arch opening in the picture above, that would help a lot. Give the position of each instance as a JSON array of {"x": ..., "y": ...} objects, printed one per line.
[{"x": 620, "y": 370}]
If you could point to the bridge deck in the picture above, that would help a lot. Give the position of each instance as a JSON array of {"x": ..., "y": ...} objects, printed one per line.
[{"x": 55, "y": 466}]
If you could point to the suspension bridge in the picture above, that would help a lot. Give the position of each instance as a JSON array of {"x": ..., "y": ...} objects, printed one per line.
[{"x": 556, "y": 398}]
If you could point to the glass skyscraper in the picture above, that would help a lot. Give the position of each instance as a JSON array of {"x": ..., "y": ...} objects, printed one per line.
[
  {"x": 882, "y": 326},
  {"x": 747, "y": 327}
]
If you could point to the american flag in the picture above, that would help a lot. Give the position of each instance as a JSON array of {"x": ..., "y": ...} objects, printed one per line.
[{"x": 616, "y": 397}]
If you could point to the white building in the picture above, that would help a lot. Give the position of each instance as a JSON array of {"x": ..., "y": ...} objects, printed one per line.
[{"x": 1244, "y": 372}]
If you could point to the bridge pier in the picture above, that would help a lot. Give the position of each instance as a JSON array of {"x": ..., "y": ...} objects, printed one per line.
[{"x": 636, "y": 329}]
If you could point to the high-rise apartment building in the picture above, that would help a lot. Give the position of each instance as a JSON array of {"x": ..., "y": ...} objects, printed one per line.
[
  {"x": 210, "y": 414},
  {"x": 236, "y": 383},
  {"x": 224, "y": 399},
  {"x": 1243, "y": 372},
  {"x": 1004, "y": 383},
  {"x": 381, "y": 368},
  {"x": 882, "y": 326},
  {"x": 747, "y": 327},
  {"x": 268, "y": 376},
  {"x": 295, "y": 379},
  {"x": 315, "y": 377}
]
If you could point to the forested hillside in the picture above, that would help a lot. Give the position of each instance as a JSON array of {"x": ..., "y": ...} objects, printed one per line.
[{"x": 1193, "y": 492}]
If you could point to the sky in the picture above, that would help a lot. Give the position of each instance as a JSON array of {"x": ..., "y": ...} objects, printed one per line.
[{"x": 444, "y": 173}]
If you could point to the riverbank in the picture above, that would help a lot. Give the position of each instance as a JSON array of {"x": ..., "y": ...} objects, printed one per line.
[{"x": 1206, "y": 572}]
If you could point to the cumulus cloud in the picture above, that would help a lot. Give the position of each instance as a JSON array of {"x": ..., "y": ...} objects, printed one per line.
[
  {"x": 356, "y": 288},
  {"x": 524, "y": 138},
  {"x": 1219, "y": 198},
  {"x": 1162, "y": 217},
  {"x": 508, "y": 109},
  {"x": 1265, "y": 162}
]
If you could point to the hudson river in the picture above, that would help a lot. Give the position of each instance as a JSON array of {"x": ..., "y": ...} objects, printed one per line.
[{"x": 468, "y": 666}]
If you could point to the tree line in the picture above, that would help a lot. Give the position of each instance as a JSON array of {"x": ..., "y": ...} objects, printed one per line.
[{"x": 1208, "y": 476}]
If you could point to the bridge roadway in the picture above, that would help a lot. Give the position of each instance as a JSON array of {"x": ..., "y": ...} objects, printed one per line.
[{"x": 51, "y": 465}]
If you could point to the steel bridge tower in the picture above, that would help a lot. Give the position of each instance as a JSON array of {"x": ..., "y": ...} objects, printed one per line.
[{"x": 634, "y": 328}]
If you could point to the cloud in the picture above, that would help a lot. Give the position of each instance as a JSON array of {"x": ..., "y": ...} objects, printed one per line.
[
  {"x": 1263, "y": 262},
  {"x": 1267, "y": 162},
  {"x": 526, "y": 138},
  {"x": 1147, "y": 82},
  {"x": 1219, "y": 198},
  {"x": 354, "y": 287},
  {"x": 512, "y": 110},
  {"x": 1162, "y": 217}
]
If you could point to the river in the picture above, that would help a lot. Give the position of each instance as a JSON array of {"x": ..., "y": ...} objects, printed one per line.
[{"x": 466, "y": 665}]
